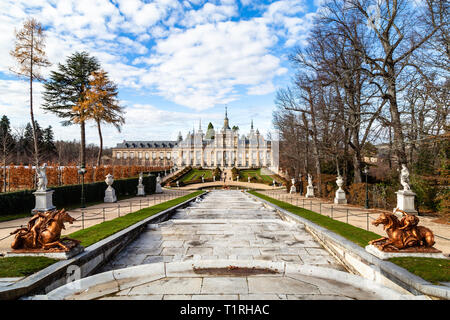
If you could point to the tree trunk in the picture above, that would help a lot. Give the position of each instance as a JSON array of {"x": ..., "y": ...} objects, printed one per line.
[
  {"x": 33, "y": 124},
  {"x": 83, "y": 145},
  {"x": 399, "y": 143},
  {"x": 100, "y": 151}
]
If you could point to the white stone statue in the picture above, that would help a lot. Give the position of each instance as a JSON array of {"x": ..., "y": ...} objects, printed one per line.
[
  {"x": 310, "y": 183},
  {"x": 293, "y": 181},
  {"x": 310, "y": 187},
  {"x": 110, "y": 193},
  {"x": 404, "y": 178},
  {"x": 339, "y": 182},
  {"x": 405, "y": 197},
  {"x": 248, "y": 179},
  {"x": 178, "y": 184},
  {"x": 44, "y": 196},
  {"x": 158, "y": 188},
  {"x": 140, "y": 186},
  {"x": 42, "y": 178},
  {"x": 203, "y": 179}
]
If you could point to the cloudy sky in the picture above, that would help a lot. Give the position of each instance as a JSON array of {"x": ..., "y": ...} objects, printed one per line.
[{"x": 175, "y": 62}]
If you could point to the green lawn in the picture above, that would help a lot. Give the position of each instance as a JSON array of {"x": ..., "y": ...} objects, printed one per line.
[
  {"x": 103, "y": 230},
  {"x": 352, "y": 233},
  {"x": 196, "y": 174},
  {"x": 23, "y": 266},
  {"x": 430, "y": 269},
  {"x": 256, "y": 173}
]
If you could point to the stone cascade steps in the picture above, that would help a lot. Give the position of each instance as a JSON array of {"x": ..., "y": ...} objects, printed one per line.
[{"x": 225, "y": 225}]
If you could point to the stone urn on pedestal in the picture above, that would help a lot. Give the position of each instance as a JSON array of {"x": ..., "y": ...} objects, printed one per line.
[
  {"x": 310, "y": 188},
  {"x": 140, "y": 186},
  {"x": 340, "y": 193},
  {"x": 293, "y": 189},
  {"x": 405, "y": 197},
  {"x": 110, "y": 193},
  {"x": 44, "y": 196}
]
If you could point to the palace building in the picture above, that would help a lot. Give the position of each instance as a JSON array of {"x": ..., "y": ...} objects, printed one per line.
[{"x": 224, "y": 148}]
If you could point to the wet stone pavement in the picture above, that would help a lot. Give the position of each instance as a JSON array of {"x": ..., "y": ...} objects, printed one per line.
[{"x": 224, "y": 225}]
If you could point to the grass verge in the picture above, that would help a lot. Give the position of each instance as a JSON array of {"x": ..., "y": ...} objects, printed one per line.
[
  {"x": 23, "y": 266},
  {"x": 103, "y": 230},
  {"x": 430, "y": 269}
]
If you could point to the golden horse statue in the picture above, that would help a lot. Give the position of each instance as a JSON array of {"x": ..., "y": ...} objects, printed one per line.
[
  {"x": 402, "y": 234},
  {"x": 44, "y": 231}
]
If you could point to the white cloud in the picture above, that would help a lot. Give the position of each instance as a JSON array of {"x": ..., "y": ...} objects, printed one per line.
[
  {"x": 202, "y": 66},
  {"x": 193, "y": 53}
]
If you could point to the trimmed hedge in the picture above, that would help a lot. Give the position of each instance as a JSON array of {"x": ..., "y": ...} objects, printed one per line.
[{"x": 24, "y": 201}]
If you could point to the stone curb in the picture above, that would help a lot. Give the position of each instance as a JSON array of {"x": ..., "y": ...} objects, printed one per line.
[
  {"x": 85, "y": 263},
  {"x": 134, "y": 276},
  {"x": 360, "y": 261}
]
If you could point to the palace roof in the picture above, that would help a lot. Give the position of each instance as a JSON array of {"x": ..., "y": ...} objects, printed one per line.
[{"x": 146, "y": 144}]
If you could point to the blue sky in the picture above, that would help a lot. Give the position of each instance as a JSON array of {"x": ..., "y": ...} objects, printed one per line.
[{"x": 175, "y": 62}]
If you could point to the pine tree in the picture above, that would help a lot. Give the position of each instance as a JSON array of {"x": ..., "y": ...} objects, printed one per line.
[
  {"x": 48, "y": 148},
  {"x": 66, "y": 90},
  {"x": 6, "y": 145}
]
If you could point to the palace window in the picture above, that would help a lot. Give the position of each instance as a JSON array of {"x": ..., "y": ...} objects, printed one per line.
[
  {"x": 161, "y": 155},
  {"x": 147, "y": 156},
  {"x": 168, "y": 155},
  {"x": 118, "y": 155},
  {"x": 132, "y": 155},
  {"x": 153, "y": 155},
  {"x": 125, "y": 155},
  {"x": 140, "y": 155}
]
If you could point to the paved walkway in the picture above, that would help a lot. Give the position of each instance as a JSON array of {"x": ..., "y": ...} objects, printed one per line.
[
  {"x": 359, "y": 216},
  {"x": 92, "y": 215}
]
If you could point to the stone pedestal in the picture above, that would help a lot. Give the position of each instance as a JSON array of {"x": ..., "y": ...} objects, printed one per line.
[
  {"x": 44, "y": 201},
  {"x": 141, "y": 191},
  {"x": 158, "y": 188},
  {"x": 293, "y": 189},
  {"x": 110, "y": 195},
  {"x": 405, "y": 201},
  {"x": 310, "y": 192},
  {"x": 403, "y": 253},
  {"x": 340, "y": 197}
]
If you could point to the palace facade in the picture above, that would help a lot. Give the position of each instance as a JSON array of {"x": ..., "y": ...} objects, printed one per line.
[{"x": 224, "y": 148}]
